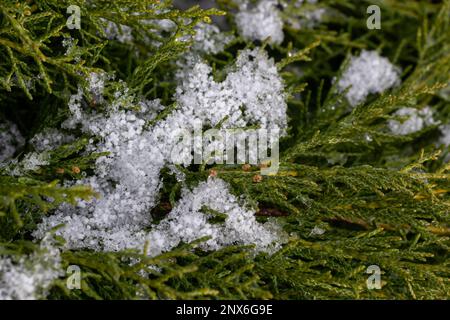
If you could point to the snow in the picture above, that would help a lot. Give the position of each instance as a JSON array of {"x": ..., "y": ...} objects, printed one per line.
[
  {"x": 10, "y": 140},
  {"x": 128, "y": 179},
  {"x": 32, "y": 161},
  {"x": 119, "y": 32},
  {"x": 368, "y": 73},
  {"x": 28, "y": 277},
  {"x": 413, "y": 120},
  {"x": 186, "y": 222},
  {"x": 260, "y": 22},
  {"x": 50, "y": 139},
  {"x": 208, "y": 39}
]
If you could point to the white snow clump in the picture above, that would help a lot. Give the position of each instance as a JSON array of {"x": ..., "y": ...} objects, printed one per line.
[
  {"x": 414, "y": 120},
  {"x": 128, "y": 179},
  {"x": 260, "y": 22},
  {"x": 366, "y": 74},
  {"x": 30, "y": 276},
  {"x": 10, "y": 140}
]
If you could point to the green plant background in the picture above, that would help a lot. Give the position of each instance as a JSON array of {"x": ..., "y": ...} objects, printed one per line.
[{"x": 382, "y": 201}]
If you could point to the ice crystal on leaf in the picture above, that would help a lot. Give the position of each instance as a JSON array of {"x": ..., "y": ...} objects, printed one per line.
[
  {"x": 317, "y": 231},
  {"x": 128, "y": 179},
  {"x": 413, "y": 120},
  {"x": 28, "y": 277},
  {"x": 10, "y": 140},
  {"x": 32, "y": 161},
  {"x": 186, "y": 222},
  {"x": 208, "y": 39},
  {"x": 50, "y": 139},
  {"x": 254, "y": 84},
  {"x": 368, "y": 73},
  {"x": 117, "y": 32},
  {"x": 260, "y": 22}
]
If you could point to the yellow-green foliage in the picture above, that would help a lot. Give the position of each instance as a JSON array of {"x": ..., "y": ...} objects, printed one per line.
[{"x": 387, "y": 204}]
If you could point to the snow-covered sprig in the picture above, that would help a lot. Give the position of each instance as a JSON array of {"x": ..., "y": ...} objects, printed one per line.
[
  {"x": 413, "y": 120},
  {"x": 129, "y": 177},
  {"x": 11, "y": 140},
  {"x": 29, "y": 277},
  {"x": 260, "y": 22},
  {"x": 365, "y": 74}
]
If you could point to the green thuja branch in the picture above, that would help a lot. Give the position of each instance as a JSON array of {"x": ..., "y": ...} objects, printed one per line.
[{"x": 349, "y": 193}]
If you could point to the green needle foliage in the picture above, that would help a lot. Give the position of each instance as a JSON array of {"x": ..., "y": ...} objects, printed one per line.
[{"x": 381, "y": 199}]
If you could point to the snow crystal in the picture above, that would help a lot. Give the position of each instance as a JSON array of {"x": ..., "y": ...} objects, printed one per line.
[
  {"x": 69, "y": 44},
  {"x": 10, "y": 140},
  {"x": 30, "y": 276},
  {"x": 414, "y": 120},
  {"x": 260, "y": 22},
  {"x": 75, "y": 110},
  {"x": 121, "y": 33},
  {"x": 317, "y": 231},
  {"x": 128, "y": 179},
  {"x": 97, "y": 83},
  {"x": 186, "y": 222},
  {"x": 208, "y": 39},
  {"x": 49, "y": 139},
  {"x": 32, "y": 161},
  {"x": 366, "y": 74},
  {"x": 254, "y": 84}
]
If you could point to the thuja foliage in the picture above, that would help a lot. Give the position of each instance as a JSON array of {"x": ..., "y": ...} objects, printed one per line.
[{"x": 349, "y": 193}]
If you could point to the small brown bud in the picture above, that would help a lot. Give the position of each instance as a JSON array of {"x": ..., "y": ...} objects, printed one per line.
[
  {"x": 246, "y": 167},
  {"x": 60, "y": 170},
  {"x": 257, "y": 178},
  {"x": 213, "y": 173},
  {"x": 76, "y": 170}
]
